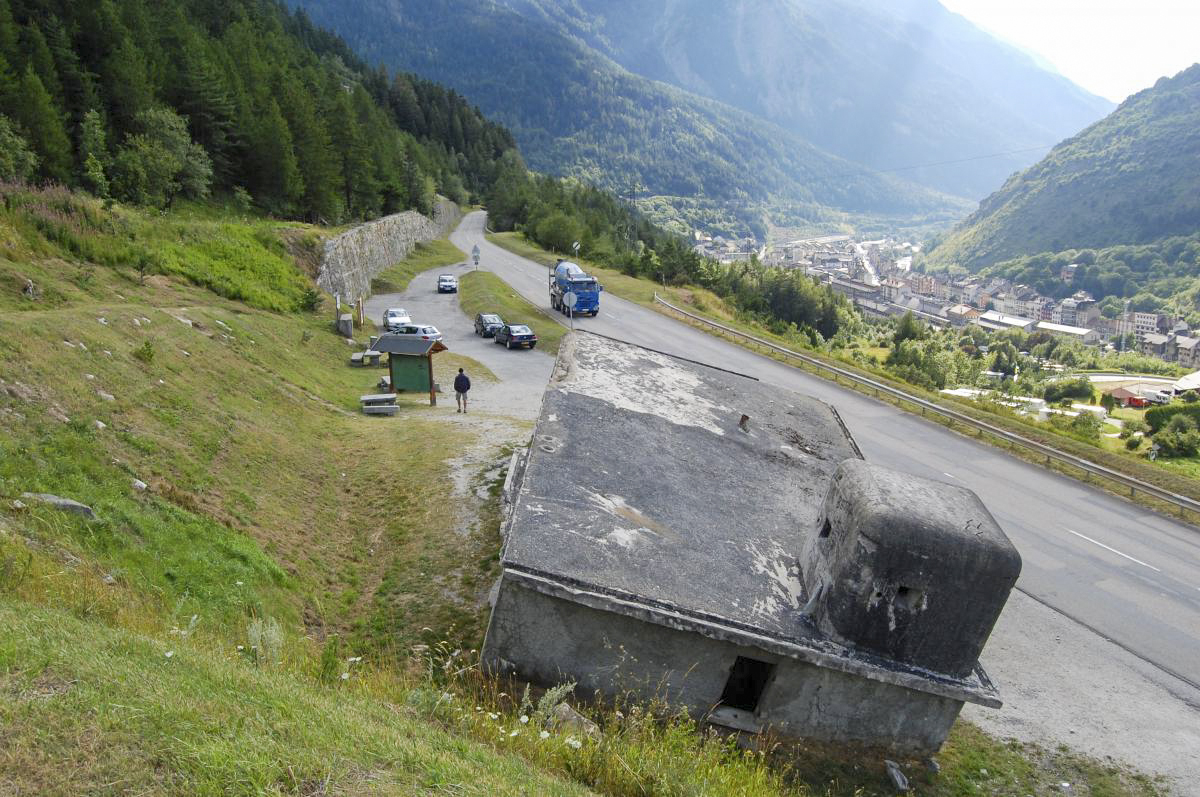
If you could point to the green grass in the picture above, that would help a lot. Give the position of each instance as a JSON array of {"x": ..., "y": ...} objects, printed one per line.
[
  {"x": 271, "y": 500},
  {"x": 423, "y": 257},
  {"x": 484, "y": 292},
  {"x": 91, "y": 709},
  {"x": 253, "y": 261}
]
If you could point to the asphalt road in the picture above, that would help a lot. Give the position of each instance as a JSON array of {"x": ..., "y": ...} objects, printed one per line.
[{"x": 1130, "y": 575}]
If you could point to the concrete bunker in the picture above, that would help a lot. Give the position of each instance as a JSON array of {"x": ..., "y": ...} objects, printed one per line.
[{"x": 682, "y": 532}]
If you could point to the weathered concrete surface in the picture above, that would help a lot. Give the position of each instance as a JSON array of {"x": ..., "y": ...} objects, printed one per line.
[
  {"x": 911, "y": 569},
  {"x": 351, "y": 260},
  {"x": 641, "y": 481},
  {"x": 659, "y": 532},
  {"x": 554, "y": 640}
]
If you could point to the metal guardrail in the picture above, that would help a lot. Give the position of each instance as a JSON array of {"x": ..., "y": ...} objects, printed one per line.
[{"x": 1182, "y": 502}]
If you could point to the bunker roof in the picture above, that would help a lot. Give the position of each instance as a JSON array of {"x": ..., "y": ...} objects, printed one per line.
[{"x": 682, "y": 493}]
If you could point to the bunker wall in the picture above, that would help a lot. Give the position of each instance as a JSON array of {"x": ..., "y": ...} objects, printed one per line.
[{"x": 550, "y": 640}]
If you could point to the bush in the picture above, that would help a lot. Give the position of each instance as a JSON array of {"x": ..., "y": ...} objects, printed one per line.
[
  {"x": 1180, "y": 438},
  {"x": 1132, "y": 426},
  {"x": 1132, "y": 443},
  {"x": 1079, "y": 388},
  {"x": 1158, "y": 417},
  {"x": 310, "y": 300},
  {"x": 145, "y": 352}
]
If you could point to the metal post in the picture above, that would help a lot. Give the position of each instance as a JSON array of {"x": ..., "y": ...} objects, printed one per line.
[{"x": 432, "y": 392}]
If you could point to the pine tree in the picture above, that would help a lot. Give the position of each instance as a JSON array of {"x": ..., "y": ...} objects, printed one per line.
[
  {"x": 274, "y": 174},
  {"x": 315, "y": 154},
  {"x": 10, "y": 49},
  {"x": 78, "y": 85},
  {"x": 126, "y": 86},
  {"x": 34, "y": 111},
  {"x": 360, "y": 188},
  {"x": 405, "y": 106},
  {"x": 37, "y": 55},
  {"x": 93, "y": 154},
  {"x": 17, "y": 161},
  {"x": 203, "y": 98}
]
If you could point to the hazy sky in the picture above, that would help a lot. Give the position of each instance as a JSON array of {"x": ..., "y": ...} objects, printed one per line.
[{"x": 1110, "y": 47}]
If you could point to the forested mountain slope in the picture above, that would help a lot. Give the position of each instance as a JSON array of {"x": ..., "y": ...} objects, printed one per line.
[
  {"x": 1132, "y": 178},
  {"x": 575, "y": 112},
  {"x": 891, "y": 85},
  {"x": 145, "y": 101}
]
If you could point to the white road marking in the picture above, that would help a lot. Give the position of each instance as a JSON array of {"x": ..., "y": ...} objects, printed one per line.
[
  {"x": 951, "y": 475},
  {"x": 1114, "y": 550}
]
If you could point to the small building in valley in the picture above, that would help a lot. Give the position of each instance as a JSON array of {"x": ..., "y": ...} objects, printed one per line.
[{"x": 681, "y": 532}]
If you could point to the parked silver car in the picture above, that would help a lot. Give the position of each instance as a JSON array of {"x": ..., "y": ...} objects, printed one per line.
[
  {"x": 395, "y": 317},
  {"x": 422, "y": 331}
]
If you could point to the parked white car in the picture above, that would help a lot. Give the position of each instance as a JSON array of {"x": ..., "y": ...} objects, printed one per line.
[
  {"x": 394, "y": 317},
  {"x": 422, "y": 331}
]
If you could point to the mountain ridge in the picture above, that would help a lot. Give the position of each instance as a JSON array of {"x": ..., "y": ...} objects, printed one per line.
[
  {"x": 1130, "y": 178},
  {"x": 938, "y": 87},
  {"x": 576, "y": 112}
]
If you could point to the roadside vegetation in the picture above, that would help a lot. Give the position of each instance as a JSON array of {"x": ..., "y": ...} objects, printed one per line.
[
  {"x": 484, "y": 292},
  {"x": 277, "y": 594}
]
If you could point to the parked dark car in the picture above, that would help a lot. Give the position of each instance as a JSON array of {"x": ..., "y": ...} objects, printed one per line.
[
  {"x": 486, "y": 324},
  {"x": 515, "y": 335}
]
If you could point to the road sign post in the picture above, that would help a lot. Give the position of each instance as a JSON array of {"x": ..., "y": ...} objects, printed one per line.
[{"x": 570, "y": 299}]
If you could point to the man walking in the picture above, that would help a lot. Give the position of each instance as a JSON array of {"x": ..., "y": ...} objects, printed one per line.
[{"x": 462, "y": 384}]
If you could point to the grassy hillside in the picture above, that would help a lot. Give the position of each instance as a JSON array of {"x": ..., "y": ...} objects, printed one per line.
[
  {"x": 274, "y": 606},
  {"x": 1131, "y": 178}
]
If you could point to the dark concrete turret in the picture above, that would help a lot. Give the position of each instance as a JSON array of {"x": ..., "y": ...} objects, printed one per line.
[{"x": 908, "y": 568}]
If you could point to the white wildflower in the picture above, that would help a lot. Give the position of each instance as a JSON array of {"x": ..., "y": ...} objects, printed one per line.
[
  {"x": 240, "y": 583},
  {"x": 544, "y": 735},
  {"x": 524, "y": 719},
  {"x": 345, "y": 676},
  {"x": 241, "y": 647},
  {"x": 170, "y": 653},
  {"x": 574, "y": 743},
  {"x": 493, "y": 716},
  {"x": 514, "y": 733}
]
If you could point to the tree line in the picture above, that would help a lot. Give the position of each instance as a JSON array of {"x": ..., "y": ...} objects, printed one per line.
[
  {"x": 146, "y": 102},
  {"x": 556, "y": 213}
]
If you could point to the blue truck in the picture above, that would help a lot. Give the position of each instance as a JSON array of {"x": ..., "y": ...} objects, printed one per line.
[{"x": 567, "y": 277}]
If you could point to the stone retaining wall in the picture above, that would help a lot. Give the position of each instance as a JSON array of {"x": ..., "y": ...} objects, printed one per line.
[{"x": 351, "y": 260}]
